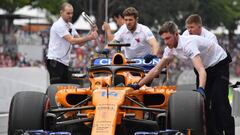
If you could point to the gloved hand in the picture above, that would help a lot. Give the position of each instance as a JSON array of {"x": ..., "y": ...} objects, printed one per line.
[
  {"x": 149, "y": 57},
  {"x": 135, "y": 86},
  {"x": 201, "y": 91}
]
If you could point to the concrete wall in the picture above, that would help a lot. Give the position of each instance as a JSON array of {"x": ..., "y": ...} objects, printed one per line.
[
  {"x": 32, "y": 52},
  {"x": 13, "y": 80}
]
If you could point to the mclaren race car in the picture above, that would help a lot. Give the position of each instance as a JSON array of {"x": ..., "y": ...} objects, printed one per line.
[{"x": 108, "y": 106}]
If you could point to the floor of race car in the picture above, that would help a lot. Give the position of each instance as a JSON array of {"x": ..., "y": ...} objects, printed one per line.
[{"x": 4, "y": 121}]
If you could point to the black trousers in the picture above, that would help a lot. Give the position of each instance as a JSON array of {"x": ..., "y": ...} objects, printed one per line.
[
  {"x": 217, "y": 107},
  {"x": 58, "y": 72}
]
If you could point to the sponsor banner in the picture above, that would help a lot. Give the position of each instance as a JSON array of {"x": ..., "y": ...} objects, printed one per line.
[{"x": 137, "y": 62}]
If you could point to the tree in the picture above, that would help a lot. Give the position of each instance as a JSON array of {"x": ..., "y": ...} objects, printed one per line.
[
  {"x": 53, "y": 9},
  {"x": 94, "y": 7},
  {"x": 221, "y": 13},
  {"x": 152, "y": 12},
  {"x": 10, "y": 6}
]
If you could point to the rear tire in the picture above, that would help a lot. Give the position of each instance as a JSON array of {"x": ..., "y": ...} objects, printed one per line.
[
  {"x": 186, "y": 111},
  {"x": 26, "y": 112}
]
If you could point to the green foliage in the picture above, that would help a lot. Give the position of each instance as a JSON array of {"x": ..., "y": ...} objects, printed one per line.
[
  {"x": 152, "y": 12},
  {"x": 51, "y": 5},
  {"x": 11, "y": 5},
  {"x": 220, "y": 12}
]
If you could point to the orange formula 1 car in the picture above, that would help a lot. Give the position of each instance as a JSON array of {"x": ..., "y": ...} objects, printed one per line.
[{"x": 108, "y": 106}]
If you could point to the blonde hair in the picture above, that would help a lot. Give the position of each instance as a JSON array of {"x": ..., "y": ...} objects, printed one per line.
[{"x": 194, "y": 18}]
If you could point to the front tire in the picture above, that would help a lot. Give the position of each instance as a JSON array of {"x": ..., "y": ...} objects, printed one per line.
[
  {"x": 26, "y": 112},
  {"x": 186, "y": 111}
]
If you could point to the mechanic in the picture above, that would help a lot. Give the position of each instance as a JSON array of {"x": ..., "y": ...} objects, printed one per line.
[
  {"x": 212, "y": 65},
  {"x": 62, "y": 36},
  {"x": 118, "y": 18},
  {"x": 143, "y": 43},
  {"x": 194, "y": 27}
]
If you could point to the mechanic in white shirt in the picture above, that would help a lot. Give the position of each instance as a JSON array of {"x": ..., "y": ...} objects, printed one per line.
[
  {"x": 212, "y": 65},
  {"x": 62, "y": 36},
  {"x": 195, "y": 27},
  {"x": 141, "y": 39}
]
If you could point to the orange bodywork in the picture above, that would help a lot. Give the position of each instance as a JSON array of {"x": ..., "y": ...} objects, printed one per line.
[{"x": 107, "y": 99}]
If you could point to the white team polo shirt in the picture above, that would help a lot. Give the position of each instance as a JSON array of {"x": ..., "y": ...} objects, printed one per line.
[
  {"x": 189, "y": 46},
  {"x": 138, "y": 39},
  {"x": 204, "y": 33},
  {"x": 58, "y": 48}
]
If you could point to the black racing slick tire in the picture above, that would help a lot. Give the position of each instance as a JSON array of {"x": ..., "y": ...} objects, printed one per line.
[
  {"x": 52, "y": 90},
  {"x": 186, "y": 111},
  {"x": 26, "y": 112}
]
